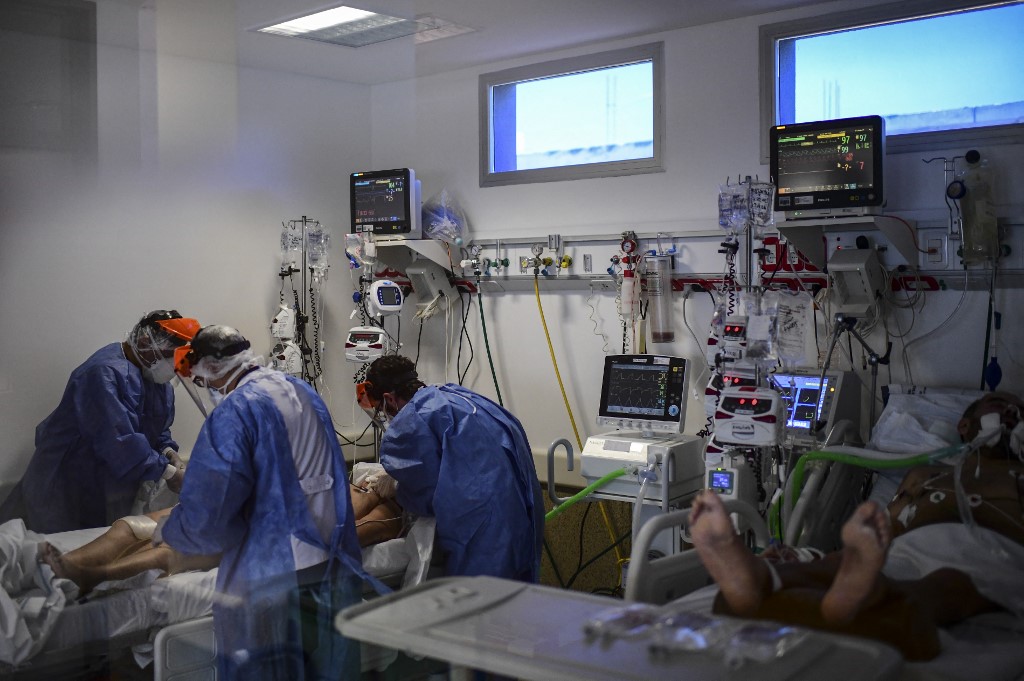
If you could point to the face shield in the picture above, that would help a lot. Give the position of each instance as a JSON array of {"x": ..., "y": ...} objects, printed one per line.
[
  {"x": 374, "y": 408},
  {"x": 155, "y": 342}
]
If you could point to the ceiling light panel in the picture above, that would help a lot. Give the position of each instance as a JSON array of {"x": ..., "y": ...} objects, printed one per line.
[{"x": 346, "y": 26}]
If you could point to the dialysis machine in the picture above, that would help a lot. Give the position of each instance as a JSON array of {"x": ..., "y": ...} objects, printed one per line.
[{"x": 644, "y": 398}]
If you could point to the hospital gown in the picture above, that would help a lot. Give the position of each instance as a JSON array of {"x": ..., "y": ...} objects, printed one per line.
[
  {"x": 248, "y": 495},
  {"x": 461, "y": 458},
  {"x": 98, "y": 445}
]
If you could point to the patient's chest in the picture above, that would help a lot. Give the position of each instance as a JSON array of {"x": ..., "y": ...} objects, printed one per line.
[{"x": 927, "y": 496}]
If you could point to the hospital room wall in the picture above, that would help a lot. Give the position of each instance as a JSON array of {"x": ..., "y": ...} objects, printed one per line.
[
  {"x": 712, "y": 132},
  {"x": 199, "y": 161}
]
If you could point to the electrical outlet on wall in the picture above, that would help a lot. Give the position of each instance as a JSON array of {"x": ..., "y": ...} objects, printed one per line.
[{"x": 936, "y": 255}]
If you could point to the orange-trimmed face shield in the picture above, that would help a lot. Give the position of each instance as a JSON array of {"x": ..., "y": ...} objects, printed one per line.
[
  {"x": 182, "y": 329},
  {"x": 364, "y": 398},
  {"x": 183, "y": 361}
]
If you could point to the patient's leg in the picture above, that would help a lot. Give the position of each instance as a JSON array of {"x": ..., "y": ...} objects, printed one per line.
[
  {"x": 743, "y": 580},
  {"x": 120, "y": 540},
  {"x": 88, "y": 576},
  {"x": 859, "y": 583},
  {"x": 116, "y": 554}
]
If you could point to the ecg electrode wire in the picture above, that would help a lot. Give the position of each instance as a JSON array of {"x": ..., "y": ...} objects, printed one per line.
[
  {"x": 906, "y": 346},
  {"x": 593, "y": 310}
]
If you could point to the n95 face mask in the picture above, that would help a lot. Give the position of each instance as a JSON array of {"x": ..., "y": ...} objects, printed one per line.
[{"x": 161, "y": 371}]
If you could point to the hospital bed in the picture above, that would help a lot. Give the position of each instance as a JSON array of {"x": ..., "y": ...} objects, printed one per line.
[
  {"x": 537, "y": 632},
  {"x": 166, "y": 620},
  {"x": 914, "y": 419}
]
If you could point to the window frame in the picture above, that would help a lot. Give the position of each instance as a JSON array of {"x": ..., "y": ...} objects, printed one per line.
[
  {"x": 770, "y": 34},
  {"x": 653, "y": 52}
]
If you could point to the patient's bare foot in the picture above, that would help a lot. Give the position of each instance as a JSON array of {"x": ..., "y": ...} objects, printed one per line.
[
  {"x": 742, "y": 579},
  {"x": 866, "y": 537},
  {"x": 84, "y": 577}
]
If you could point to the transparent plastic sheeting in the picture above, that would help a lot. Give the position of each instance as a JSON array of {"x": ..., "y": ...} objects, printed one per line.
[{"x": 672, "y": 630}]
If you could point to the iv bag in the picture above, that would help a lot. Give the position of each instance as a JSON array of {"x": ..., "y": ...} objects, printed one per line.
[
  {"x": 733, "y": 207},
  {"x": 317, "y": 242},
  {"x": 794, "y": 327},
  {"x": 283, "y": 323},
  {"x": 291, "y": 247},
  {"x": 287, "y": 357}
]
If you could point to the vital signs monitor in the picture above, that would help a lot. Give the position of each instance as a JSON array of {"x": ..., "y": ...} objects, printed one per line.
[
  {"x": 386, "y": 202},
  {"x": 646, "y": 393},
  {"x": 829, "y": 168}
]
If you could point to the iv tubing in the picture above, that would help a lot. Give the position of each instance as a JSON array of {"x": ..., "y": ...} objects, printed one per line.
[
  {"x": 638, "y": 506},
  {"x": 553, "y": 513}
]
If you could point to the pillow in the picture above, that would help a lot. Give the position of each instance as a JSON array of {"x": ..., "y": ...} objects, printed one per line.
[{"x": 919, "y": 419}]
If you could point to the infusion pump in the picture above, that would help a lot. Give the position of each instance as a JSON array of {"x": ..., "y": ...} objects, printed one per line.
[
  {"x": 749, "y": 416},
  {"x": 365, "y": 344}
]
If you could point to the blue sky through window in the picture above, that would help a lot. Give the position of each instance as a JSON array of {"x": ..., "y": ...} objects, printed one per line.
[
  {"x": 595, "y": 108},
  {"x": 929, "y": 66}
]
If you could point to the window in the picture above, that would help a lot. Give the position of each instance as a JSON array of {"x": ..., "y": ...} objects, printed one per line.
[
  {"x": 936, "y": 71},
  {"x": 592, "y": 116}
]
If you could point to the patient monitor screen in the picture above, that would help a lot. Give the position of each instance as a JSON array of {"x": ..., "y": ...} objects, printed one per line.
[
  {"x": 805, "y": 398},
  {"x": 647, "y": 388},
  {"x": 383, "y": 201}
]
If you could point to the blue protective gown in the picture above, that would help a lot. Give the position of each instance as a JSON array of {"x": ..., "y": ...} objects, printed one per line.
[
  {"x": 461, "y": 458},
  {"x": 98, "y": 445},
  {"x": 243, "y": 497}
]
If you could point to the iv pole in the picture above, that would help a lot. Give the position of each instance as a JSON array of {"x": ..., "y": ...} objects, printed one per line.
[{"x": 846, "y": 323}]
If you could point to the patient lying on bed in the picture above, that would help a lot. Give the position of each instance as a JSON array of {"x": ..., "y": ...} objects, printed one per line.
[
  {"x": 867, "y": 590},
  {"x": 126, "y": 549}
]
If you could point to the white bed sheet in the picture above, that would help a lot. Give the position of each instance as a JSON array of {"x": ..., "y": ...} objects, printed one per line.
[{"x": 116, "y": 609}]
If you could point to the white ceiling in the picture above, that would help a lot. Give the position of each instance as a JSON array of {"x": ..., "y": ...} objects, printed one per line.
[{"x": 505, "y": 29}]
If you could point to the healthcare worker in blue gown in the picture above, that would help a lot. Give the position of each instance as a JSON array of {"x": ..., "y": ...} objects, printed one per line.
[
  {"x": 464, "y": 460},
  {"x": 110, "y": 433},
  {"x": 267, "y": 488}
]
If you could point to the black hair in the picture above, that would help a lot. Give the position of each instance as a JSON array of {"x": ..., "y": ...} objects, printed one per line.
[{"x": 392, "y": 373}]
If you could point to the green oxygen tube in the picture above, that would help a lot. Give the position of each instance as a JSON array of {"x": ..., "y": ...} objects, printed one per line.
[
  {"x": 601, "y": 482},
  {"x": 865, "y": 462}
]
